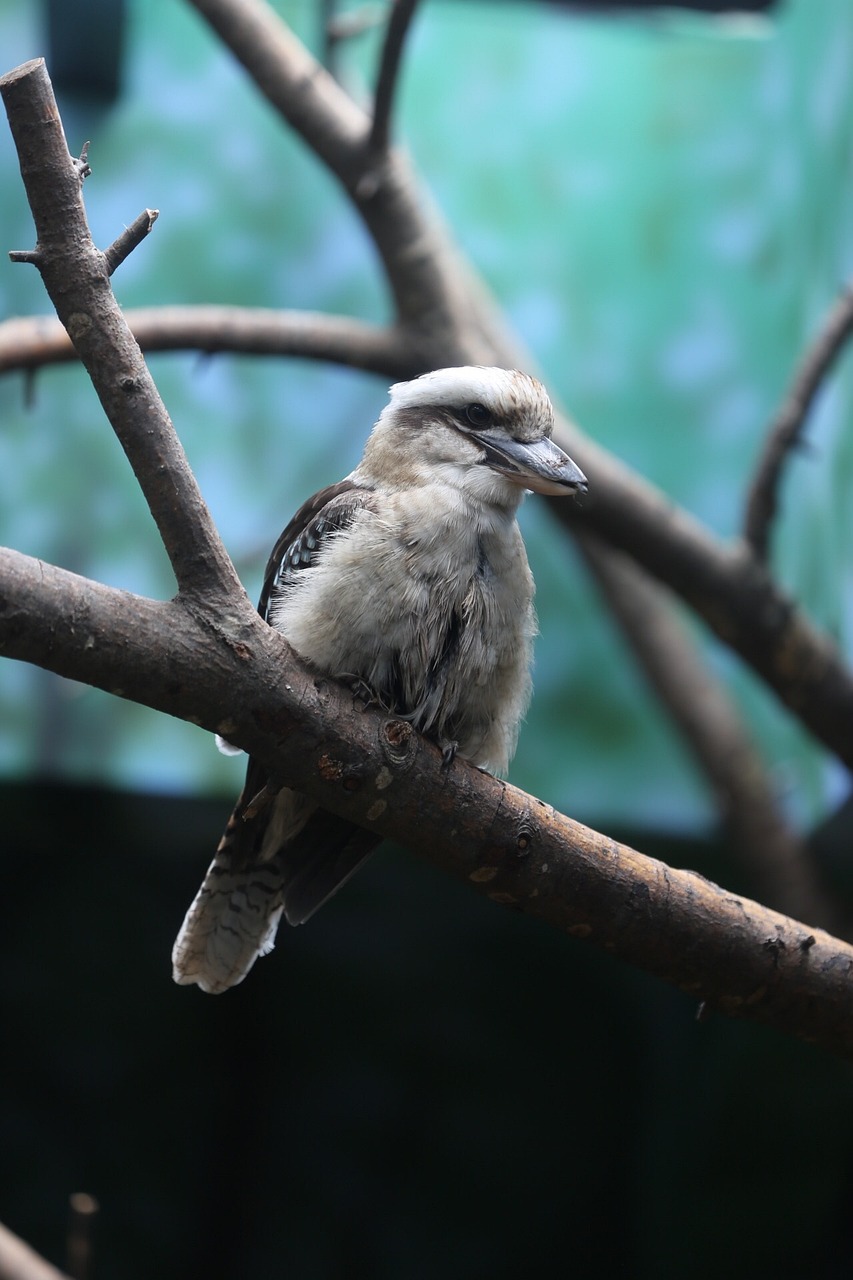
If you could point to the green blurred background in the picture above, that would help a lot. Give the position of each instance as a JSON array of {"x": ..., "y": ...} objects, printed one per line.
[{"x": 419, "y": 1084}]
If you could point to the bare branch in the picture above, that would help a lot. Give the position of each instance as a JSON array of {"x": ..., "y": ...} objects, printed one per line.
[
  {"x": 785, "y": 432},
  {"x": 731, "y": 590},
  {"x": 130, "y": 238},
  {"x": 75, "y": 276},
  {"x": 31, "y": 342},
  {"x": 243, "y": 681},
  {"x": 19, "y": 1262},
  {"x": 402, "y": 13},
  {"x": 291, "y": 79}
]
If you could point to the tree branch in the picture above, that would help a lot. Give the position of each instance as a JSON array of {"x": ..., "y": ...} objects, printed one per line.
[
  {"x": 785, "y": 432},
  {"x": 31, "y": 342},
  {"x": 402, "y": 13},
  {"x": 243, "y": 681},
  {"x": 429, "y": 285},
  {"x": 76, "y": 278},
  {"x": 130, "y": 239}
]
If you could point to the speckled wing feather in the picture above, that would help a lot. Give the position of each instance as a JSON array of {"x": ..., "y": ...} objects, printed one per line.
[
  {"x": 279, "y": 852},
  {"x": 301, "y": 542}
]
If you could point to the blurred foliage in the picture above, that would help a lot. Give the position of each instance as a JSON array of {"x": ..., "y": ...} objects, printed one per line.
[{"x": 662, "y": 206}]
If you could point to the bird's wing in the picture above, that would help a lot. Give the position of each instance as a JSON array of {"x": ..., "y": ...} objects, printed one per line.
[
  {"x": 317, "y": 520},
  {"x": 328, "y": 513}
]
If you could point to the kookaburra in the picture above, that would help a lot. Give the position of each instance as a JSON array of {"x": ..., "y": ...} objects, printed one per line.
[{"x": 408, "y": 578}]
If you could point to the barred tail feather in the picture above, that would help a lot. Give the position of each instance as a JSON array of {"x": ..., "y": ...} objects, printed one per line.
[
  {"x": 286, "y": 856},
  {"x": 233, "y": 920}
]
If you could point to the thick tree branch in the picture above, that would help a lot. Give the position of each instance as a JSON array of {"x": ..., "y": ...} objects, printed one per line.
[
  {"x": 733, "y": 954},
  {"x": 785, "y": 432},
  {"x": 31, "y": 342},
  {"x": 76, "y": 277}
]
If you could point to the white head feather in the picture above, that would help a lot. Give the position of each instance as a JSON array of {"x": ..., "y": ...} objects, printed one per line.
[{"x": 508, "y": 393}]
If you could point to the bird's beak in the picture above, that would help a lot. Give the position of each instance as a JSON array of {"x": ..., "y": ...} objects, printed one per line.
[{"x": 540, "y": 465}]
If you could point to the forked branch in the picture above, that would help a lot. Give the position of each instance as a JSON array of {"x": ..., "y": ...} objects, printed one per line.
[{"x": 76, "y": 277}]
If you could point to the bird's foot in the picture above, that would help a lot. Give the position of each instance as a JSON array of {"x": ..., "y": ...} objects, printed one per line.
[{"x": 448, "y": 753}]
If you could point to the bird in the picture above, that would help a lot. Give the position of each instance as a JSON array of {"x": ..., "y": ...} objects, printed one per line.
[{"x": 409, "y": 581}]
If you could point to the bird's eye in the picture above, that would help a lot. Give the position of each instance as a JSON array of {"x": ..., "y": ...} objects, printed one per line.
[{"x": 478, "y": 416}]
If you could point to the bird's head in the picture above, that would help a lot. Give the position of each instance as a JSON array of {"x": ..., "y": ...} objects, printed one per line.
[{"x": 485, "y": 431}]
